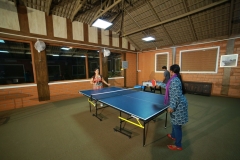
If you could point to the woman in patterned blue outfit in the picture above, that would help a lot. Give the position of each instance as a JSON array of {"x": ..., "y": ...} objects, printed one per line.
[{"x": 178, "y": 105}]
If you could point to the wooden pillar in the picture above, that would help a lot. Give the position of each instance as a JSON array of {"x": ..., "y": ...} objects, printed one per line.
[
  {"x": 124, "y": 70},
  {"x": 40, "y": 71},
  {"x": 103, "y": 66},
  {"x": 227, "y": 70},
  {"x": 86, "y": 63}
]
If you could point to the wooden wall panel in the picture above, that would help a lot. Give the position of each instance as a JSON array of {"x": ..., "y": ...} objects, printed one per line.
[
  {"x": 124, "y": 43},
  {"x": 132, "y": 47},
  {"x": 85, "y": 26},
  {"x": 69, "y": 30},
  {"x": 105, "y": 37},
  {"x": 115, "y": 39},
  {"x": 23, "y": 19},
  {"x": 92, "y": 34},
  {"x": 36, "y": 21},
  {"x": 9, "y": 16},
  {"x": 59, "y": 27},
  {"x": 99, "y": 36},
  {"x": 49, "y": 24},
  {"x": 77, "y": 31}
]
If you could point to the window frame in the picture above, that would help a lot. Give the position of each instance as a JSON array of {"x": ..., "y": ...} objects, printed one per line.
[
  {"x": 79, "y": 66},
  {"x": 204, "y": 72},
  {"x": 162, "y": 53}
]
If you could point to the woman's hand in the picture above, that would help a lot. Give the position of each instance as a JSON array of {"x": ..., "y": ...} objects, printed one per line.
[{"x": 170, "y": 110}]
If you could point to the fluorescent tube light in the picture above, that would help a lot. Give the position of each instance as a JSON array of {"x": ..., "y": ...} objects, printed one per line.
[
  {"x": 101, "y": 24},
  {"x": 65, "y": 48},
  {"x": 4, "y": 51},
  {"x": 55, "y": 55},
  {"x": 2, "y": 41},
  {"x": 148, "y": 39}
]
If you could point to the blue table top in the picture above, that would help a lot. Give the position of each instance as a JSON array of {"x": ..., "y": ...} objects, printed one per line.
[{"x": 139, "y": 104}]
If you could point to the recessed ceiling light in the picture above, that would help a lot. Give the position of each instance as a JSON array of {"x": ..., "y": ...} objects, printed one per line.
[
  {"x": 65, "y": 48},
  {"x": 148, "y": 39},
  {"x": 4, "y": 51},
  {"x": 101, "y": 24}
]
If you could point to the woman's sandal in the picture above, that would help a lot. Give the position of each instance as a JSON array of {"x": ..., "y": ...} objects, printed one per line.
[
  {"x": 173, "y": 147},
  {"x": 169, "y": 136}
]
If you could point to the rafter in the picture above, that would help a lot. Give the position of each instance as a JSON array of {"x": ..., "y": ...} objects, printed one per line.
[
  {"x": 78, "y": 6},
  {"x": 178, "y": 17},
  {"x": 163, "y": 28},
  {"x": 49, "y": 2},
  {"x": 122, "y": 22},
  {"x": 190, "y": 21},
  {"x": 106, "y": 6},
  {"x": 131, "y": 41},
  {"x": 230, "y": 19},
  {"x": 138, "y": 25}
]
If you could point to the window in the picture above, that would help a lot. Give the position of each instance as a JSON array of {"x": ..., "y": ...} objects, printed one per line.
[
  {"x": 78, "y": 70},
  {"x": 114, "y": 65},
  {"x": 118, "y": 64},
  {"x": 161, "y": 59},
  {"x": 93, "y": 63},
  {"x": 65, "y": 63},
  {"x": 202, "y": 60},
  {"x": 15, "y": 63}
]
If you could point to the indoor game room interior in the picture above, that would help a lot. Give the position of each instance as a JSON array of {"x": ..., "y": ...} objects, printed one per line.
[{"x": 85, "y": 79}]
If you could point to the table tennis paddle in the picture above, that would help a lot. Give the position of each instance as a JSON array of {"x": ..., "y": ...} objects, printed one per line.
[{"x": 154, "y": 83}]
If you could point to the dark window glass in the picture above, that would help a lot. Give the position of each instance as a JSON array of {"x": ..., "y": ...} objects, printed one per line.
[
  {"x": 115, "y": 65},
  {"x": 15, "y": 62},
  {"x": 66, "y": 63},
  {"x": 93, "y": 62}
]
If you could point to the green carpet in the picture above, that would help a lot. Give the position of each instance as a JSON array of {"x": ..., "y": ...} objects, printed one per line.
[{"x": 66, "y": 130}]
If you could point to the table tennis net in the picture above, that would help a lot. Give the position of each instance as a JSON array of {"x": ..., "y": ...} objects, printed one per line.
[{"x": 109, "y": 94}]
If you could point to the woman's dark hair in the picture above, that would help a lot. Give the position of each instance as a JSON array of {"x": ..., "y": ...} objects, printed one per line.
[
  {"x": 95, "y": 73},
  {"x": 176, "y": 69}
]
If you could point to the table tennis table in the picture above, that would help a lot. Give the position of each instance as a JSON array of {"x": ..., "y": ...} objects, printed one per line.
[{"x": 139, "y": 105}]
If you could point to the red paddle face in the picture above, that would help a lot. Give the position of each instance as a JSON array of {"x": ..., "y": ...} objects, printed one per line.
[{"x": 153, "y": 83}]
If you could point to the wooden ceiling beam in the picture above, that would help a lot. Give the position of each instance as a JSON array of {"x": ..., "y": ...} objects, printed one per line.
[
  {"x": 163, "y": 28},
  {"x": 138, "y": 26},
  {"x": 79, "y": 5},
  {"x": 178, "y": 17},
  {"x": 49, "y": 2},
  {"x": 230, "y": 18},
  {"x": 190, "y": 21},
  {"x": 106, "y": 6}
]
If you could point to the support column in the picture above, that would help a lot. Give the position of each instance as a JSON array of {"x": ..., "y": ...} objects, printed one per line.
[
  {"x": 40, "y": 71},
  {"x": 103, "y": 66},
  {"x": 227, "y": 70}
]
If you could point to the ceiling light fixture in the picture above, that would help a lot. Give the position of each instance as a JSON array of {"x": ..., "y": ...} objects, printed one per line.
[
  {"x": 65, "y": 48},
  {"x": 99, "y": 23},
  {"x": 2, "y": 41},
  {"x": 148, "y": 39},
  {"x": 4, "y": 51}
]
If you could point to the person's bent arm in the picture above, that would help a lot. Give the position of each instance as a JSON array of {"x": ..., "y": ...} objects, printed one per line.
[
  {"x": 108, "y": 84},
  {"x": 163, "y": 85},
  {"x": 91, "y": 81}
]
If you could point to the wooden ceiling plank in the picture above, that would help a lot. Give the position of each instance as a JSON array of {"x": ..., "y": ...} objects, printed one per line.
[
  {"x": 78, "y": 6},
  {"x": 190, "y": 21},
  {"x": 230, "y": 18},
  {"x": 163, "y": 28},
  {"x": 103, "y": 9},
  {"x": 180, "y": 16},
  {"x": 49, "y": 2}
]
